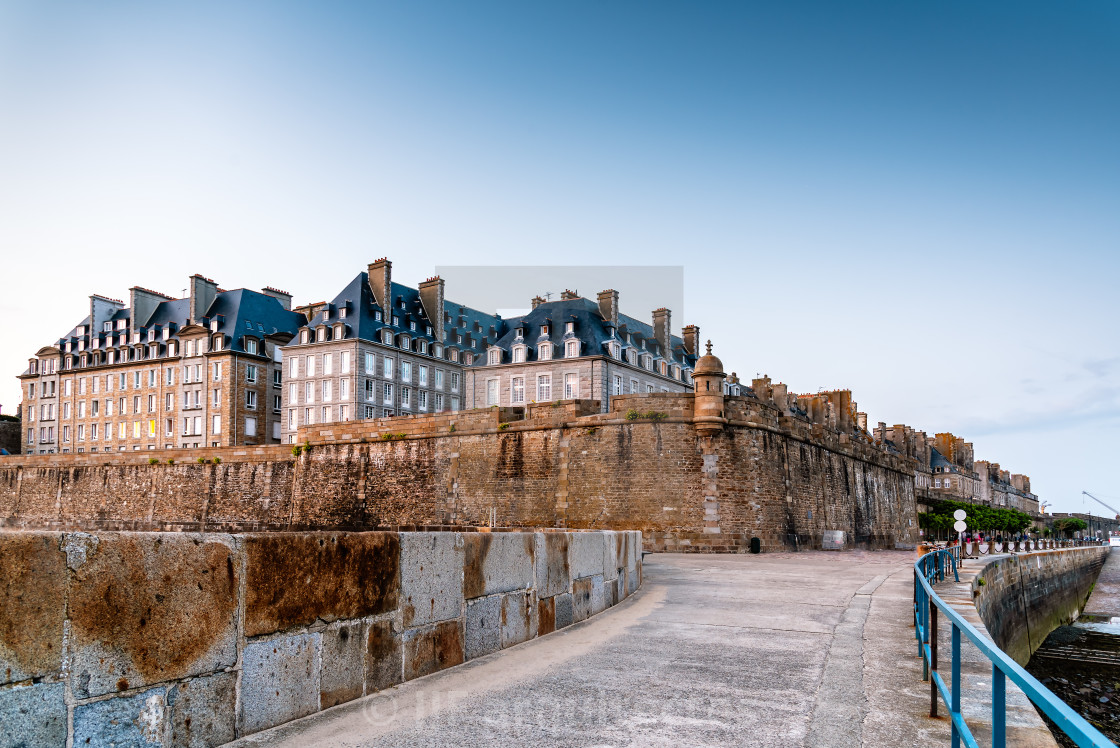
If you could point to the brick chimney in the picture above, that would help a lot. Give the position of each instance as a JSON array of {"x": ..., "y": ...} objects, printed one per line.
[
  {"x": 568, "y": 295},
  {"x": 537, "y": 301},
  {"x": 608, "y": 306},
  {"x": 381, "y": 283},
  {"x": 661, "y": 330},
  {"x": 283, "y": 297},
  {"x": 203, "y": 293},
  {"x": 431, "y": 297},
  {"x": 691, "y": 335}
]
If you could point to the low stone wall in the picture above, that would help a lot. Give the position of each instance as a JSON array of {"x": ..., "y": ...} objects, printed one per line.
[
  {"x": 1023, "y": 598},
  {"x": 184, "y": 639}
]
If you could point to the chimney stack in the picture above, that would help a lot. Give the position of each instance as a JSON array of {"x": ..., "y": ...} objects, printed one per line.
[
  {"x": 608, "y": 306},
  {"x": 861, "y": 421},
  {"x": 203, "y": 293},
  {"x": 691, "y": 336},
  {"x": 431, "y": 297},
  {"x": 568, "y": 295},
  {"x": 381, "y": 284},
  {"x": 537, "y": 301},
  {"x": 661, "y": 330},
  {"x": 283, "y": 297}
]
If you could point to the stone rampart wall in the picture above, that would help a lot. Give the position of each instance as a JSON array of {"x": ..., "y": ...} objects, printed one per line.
[
  {"x": 181, "y": 639},
  {"x": 643, "y": 466},
  {"x": 1023, "y": 598}
]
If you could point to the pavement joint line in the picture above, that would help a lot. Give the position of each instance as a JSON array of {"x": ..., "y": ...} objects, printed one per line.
[{"x": 750, "y": 628}]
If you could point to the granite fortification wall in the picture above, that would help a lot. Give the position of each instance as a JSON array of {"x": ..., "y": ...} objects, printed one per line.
[
  {"x": 180, "y": 639},
  {"x": 1023, "y": 598},
  {"x": 647, "y": 465}
]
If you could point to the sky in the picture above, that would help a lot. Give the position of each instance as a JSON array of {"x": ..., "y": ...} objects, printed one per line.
[{"x": 916, "y": 201}]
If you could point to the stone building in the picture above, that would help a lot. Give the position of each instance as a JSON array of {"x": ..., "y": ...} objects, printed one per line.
[
  {"x": 161, "y": 372},
  {"x": 382, "y": 349},
  {"x": 575, "y": 348},
  {"x": 1002, "y": 488}
]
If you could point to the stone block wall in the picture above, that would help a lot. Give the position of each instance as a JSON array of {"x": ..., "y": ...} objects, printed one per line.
[
  {"x": 184, "y": 639},
  {"x": 1022, "y": 598}
]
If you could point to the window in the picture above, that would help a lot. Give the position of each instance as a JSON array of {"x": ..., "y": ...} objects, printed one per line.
[
  {"x": 328, "y": 363},
  {"x": 151, "y": 428},
  {"x": 544, "y": 387},
  {"x": 422, "y": 397},
  {"x": 406, "y": 398},
  {"x": 308, "y": 416},
  {"x": 251, "y": 345},
  {"x": 387, "y": 394},
  {"x": 169, "y": 401},
  {"x": 309, "y": 392},
  {"x": 276, "y": 403},
  {"x": 369, "y": 391},
  {"x": 328, "y": 390},
  {"x": 491, "y": 392},
  {"x": 406, "y": 371},
  {"x": 387, "y": 336},
  {"x": 250, "y": 399},
  {"x": 617, "y": 385},
  {"x": 82, "y": 386},
  {"x": 649, "y": 388},
  {"x": 345, "y": 356},
  {"x": 454, "y": 381},
  {"x": 291, "y": 418},
  {"x": 387, "y": 367},
  {"x": 369, "y": 363},
  {"x": 251, "y": 373},
  {"x": 250, "y": 426},
  {"x": 277, "y": 374},
  {"x": 309, "y": 366},
  {"x": 151, "y": 403},
  {"x": 494, "y": 356},
  {"x": 135, "y": 429},
  {"x": 571, "y": 386},
  {"x": 217, "y": 397},
  {"x": 344, "y": 412},
  {"x": 455, "y": 403},
  {"x": 423, "y": 378},
  {"x": 369, "y": 412},
  {"x": 544, "y": 351},
  {"x": 439, "y": 379},
  {"x": 633, "y": 386},
  {"x": 135, "y": 403},
  {"x": 293, "y": 367},
  {"x": 169, "y": 376},
  {"x": 519, "y": 354},
  {"x": 571, "y": 349},
  {"x": 517, "y": 390},
  {"x": 216, "y": 425}
]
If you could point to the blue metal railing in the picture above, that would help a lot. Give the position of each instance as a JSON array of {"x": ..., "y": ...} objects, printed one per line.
[{"x": 932, "y": 568}]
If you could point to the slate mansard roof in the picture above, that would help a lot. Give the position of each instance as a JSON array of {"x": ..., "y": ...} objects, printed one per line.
[
  {"x": 591, "y": 329},
  {"x": 238, "y": 313},
  {"x": 458, "y": 320}
]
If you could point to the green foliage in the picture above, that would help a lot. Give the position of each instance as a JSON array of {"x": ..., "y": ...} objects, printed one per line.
[
  {"x": 452, "y": 428},
  {"x": 307, "y": 448},
  {"x": 217, "y": 460},
  {"x": 980, "y": 581},
  {"x": 297, "y": 450},
  {"x": 152, "y": 460},
  {"x": 388, "y": 436},
  {"x": 170, "y": 461},
  {"x": 980, "y": 518},
  {"x": 8, "y": 417},
  {"x": 1067, "y": 526},
  {"x": 202, "y": 460},
  {"x": 503, "y": 426},
  {"x": 653, "y": 415}
]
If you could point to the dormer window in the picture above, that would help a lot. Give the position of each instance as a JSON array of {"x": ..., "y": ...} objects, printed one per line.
[
  {"x": 406, "y": 342},
  {"x": 569, "y": 327},
  {"x": 342, "y": 313},
  {"x": 495, "y": 356},
  {"x": 544, "y": 331},
  {"x": 437, "y": 350},
  {"x": 518, "y": 354},
  {"x": 427, "y": 329},
  {"x": 412, "y": 325},
  {"x": 339, "y": 331},
  {"x": 571, "y": 349},
  {"x": 107, "y": 327},
  {"x": 250, "y": 345},
  {"x": 387, "y": 337},
  {"x": 377, "y": 316},
  {"x": 248, "y": 325},
  {"x": 403, "y": 306},
  {"x": 218, "y": 342},
  {"x": 213, "y": 325},
  {"x": 304, "y": 336},
  {"x": 544, "y": 351},
  {"x": 422, "y": 346},
  {"x": 320, "y": 334},
  {"x": 396, "y": 321}
]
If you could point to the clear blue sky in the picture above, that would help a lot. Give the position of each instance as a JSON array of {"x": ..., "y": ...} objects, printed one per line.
[{"x": 917, "y": 201}]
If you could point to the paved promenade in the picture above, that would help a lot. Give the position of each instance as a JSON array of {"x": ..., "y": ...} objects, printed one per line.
[{"x": 807, "y": 649}]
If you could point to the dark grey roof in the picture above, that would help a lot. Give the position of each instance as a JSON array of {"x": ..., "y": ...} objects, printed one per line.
[
  {"x": 459, "y": 320},
  {"x": 590, "y": 328},
  {"x": 241, "y": 312}
]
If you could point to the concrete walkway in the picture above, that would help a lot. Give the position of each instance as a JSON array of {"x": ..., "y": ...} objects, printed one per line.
[
  {"x": 1105, "y": 598},
  {"x": 806, "y": 649}
]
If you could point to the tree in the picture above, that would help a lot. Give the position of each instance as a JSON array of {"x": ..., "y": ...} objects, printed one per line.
[{"x": 1067, "y": 526}]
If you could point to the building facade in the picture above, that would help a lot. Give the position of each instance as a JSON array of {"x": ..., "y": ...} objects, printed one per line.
[
  {"x": 382, "y": 349},
  {"x": 577, "y": 348},
  {"x": 161, "y": 373}
]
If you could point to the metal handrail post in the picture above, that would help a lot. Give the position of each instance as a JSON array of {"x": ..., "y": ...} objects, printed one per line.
[
  {"x": 932, "y": 658},
  {"x": 955, "y": 706},
  {"x": 999, "y": 708}
]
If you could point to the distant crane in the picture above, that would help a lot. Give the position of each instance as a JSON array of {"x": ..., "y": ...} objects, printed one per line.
[{"x": 1106, "y": 506}]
